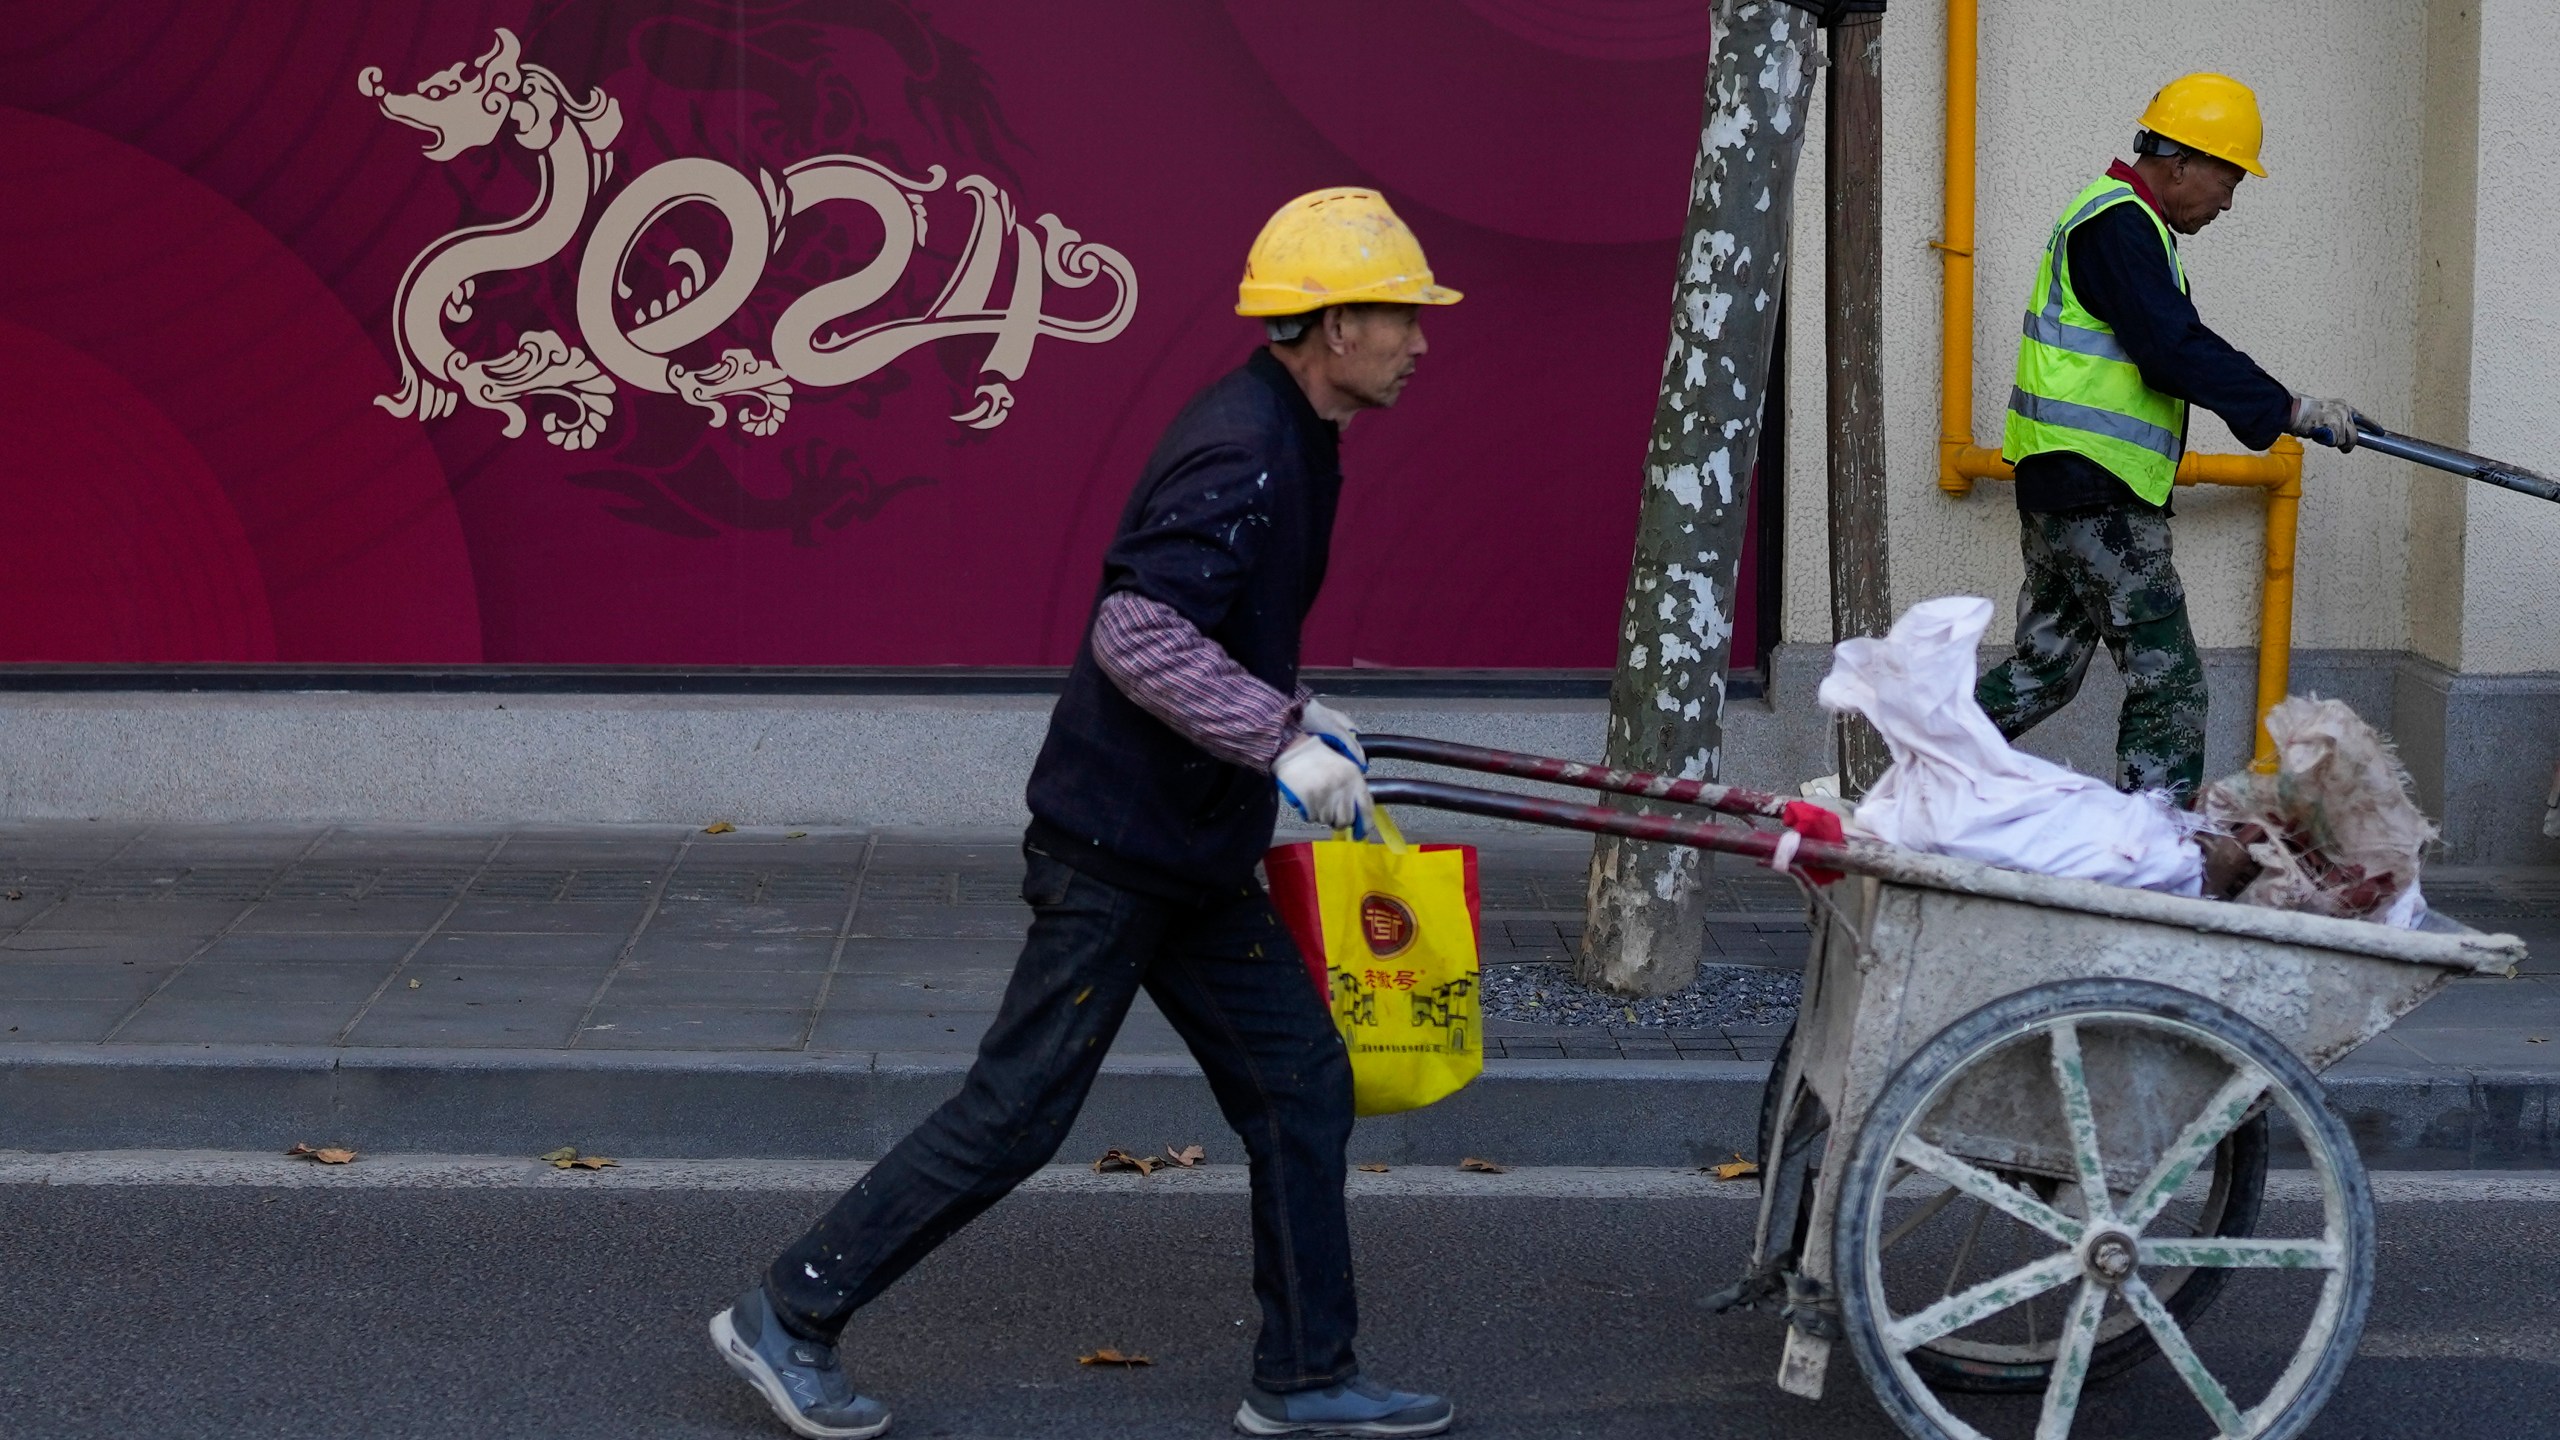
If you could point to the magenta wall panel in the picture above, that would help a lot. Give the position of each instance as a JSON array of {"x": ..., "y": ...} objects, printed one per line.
[{"x": 658, "y": 332}]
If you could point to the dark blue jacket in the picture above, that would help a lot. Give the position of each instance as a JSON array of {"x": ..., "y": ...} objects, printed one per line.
[
  {"x": 2122, "y": 276},
  {"x": 1229, "y": 525}
]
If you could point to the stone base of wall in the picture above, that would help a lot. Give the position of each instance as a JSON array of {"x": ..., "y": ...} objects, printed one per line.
[{"x": 2481, "y": 749}]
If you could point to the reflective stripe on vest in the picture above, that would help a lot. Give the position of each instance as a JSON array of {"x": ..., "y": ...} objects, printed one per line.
[
  {"x": 2044, "y": 410},
  {"x": 2077, "y": 390}
]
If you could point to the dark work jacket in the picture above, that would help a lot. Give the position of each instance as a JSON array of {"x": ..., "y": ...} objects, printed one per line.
[
  {"x": 1229, "y": 525},
  {"x": 2122, "y": 276}
]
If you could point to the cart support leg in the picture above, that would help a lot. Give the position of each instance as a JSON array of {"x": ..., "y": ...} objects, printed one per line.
[
  {"x": 1801, "y": 1368},
  {"x": 1810, "y": 1288}
]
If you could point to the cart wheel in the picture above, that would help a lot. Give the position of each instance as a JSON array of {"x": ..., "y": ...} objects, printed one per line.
[
  {"x": 2021, "y": 1362},
  {"x": 2106, "y": 1250},
  {"x": 1769, "y": 1099}
]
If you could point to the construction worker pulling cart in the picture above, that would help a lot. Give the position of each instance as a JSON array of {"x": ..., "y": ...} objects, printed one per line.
[{"x": 1180, "y": 728}]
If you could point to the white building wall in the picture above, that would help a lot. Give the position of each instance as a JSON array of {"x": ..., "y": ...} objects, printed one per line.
[
  {"x": 2313, "y": 273},
  {"x": 2511, "y": 561}
]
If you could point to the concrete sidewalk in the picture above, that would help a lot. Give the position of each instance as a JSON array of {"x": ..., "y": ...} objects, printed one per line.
[{"x": 661, "y": 991}]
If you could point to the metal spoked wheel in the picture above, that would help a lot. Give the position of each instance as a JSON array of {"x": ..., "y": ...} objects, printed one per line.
[
  {"x": 2113, "y": 1245},
  {"x": 1771, "y": 1096},
  {"x": 2021, "y": 1360}
]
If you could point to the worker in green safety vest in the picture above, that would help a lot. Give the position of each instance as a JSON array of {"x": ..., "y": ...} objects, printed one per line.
[{"x": 2113, "y": 355}]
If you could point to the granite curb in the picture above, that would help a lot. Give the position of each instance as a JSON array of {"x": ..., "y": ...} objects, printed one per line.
[
  {"x": 690, "y": 1105},
  {"x": 693, "y": 1105}
]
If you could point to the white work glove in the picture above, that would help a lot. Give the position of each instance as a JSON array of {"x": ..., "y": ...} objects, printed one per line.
[
  {"x": 2329, "y": 422},
  {"x": 1323, "y": 785},
  {"x": 1322, "y": 719}
]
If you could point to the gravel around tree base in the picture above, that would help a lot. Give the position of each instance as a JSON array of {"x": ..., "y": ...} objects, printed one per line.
[{"x": 1722, "y": 995}]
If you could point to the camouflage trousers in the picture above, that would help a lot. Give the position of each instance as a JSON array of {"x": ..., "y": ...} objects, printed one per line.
[{"x": 2102, "y": 575}]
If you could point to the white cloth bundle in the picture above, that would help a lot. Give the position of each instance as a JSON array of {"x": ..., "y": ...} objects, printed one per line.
[{"x": 1956, "y": 788}]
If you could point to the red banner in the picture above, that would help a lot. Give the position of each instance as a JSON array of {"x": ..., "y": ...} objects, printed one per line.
[{"x": 813, "y": 332}]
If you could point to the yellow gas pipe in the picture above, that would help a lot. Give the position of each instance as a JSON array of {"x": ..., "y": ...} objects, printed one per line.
[{"x": 1961, "y": 461}]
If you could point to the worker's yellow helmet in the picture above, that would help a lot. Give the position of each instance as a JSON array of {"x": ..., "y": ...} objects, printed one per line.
[
  {"x": 2213, "y": 114},
  {"x": 1336, "y": 247}
]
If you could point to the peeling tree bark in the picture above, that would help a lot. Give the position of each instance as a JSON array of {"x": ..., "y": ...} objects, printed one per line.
[
  {"x": 1646, "y": 923},
  {"x": 1853, "y": 334}
]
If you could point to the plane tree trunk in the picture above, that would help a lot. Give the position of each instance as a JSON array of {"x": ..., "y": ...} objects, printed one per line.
[{"x": 1647, "y": 901}]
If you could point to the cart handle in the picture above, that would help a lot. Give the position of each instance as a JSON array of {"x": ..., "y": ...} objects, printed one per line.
[
  {"x": 1763, "y": 846},
  {"x": 1729, "y": 799}
]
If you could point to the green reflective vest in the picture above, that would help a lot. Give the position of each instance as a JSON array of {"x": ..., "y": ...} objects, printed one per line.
[{"x": 2077, "y": 390}]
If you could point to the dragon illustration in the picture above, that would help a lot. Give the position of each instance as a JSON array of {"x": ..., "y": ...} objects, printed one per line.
[
  {"x": 645, "y": 293},
  {"x": 463, "y": 107}
]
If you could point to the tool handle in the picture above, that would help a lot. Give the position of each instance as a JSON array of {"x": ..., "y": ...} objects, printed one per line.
[
  {"x": 2459, "y": 462},
  {"x": 1729, "y": 799}
]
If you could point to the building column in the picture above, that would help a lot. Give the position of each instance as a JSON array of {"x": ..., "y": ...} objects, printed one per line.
[{"x": 2478, "y": 708}]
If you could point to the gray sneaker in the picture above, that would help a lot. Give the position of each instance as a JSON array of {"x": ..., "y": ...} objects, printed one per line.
[
  {"x": 1354, "y": 1407},
  {"x": 800, "y": 1379}
]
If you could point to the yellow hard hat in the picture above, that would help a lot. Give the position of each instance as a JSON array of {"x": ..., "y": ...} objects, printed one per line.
[
  {"x": 1336, "y": 247},
  {"x": 2214, "y": 114}
]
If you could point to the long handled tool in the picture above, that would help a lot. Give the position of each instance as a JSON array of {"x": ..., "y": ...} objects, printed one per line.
[{"x": 2460, "y": 462}]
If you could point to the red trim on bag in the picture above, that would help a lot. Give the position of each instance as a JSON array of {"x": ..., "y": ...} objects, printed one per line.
[{"x": 1291, "y": 870}]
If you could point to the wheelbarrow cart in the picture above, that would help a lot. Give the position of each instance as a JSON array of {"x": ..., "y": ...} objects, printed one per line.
[{"x": 2089, "y": 1068}]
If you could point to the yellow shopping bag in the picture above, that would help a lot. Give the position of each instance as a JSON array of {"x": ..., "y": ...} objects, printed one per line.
[{"x": 1389, "y": 934}]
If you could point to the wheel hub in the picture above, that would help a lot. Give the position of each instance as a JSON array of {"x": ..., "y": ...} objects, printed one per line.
[{"x": 2109, "y": 1256}]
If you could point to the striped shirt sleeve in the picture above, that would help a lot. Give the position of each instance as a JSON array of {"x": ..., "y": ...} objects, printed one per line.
[{"x": 1169, "y": 669}]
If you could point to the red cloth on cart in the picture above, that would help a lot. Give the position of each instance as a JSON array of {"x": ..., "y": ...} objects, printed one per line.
[{"x": 1814, "y": 822}]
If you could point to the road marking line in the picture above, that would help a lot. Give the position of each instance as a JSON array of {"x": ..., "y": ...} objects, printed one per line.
[
  {"x": 2536, "y": 1346},
  {"x": 2429, "y": 1187},
  {"x": 503, "y": 1172}
]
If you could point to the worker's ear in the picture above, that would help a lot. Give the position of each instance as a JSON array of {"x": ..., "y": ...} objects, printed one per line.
[{"x": 1337, "y": 329}]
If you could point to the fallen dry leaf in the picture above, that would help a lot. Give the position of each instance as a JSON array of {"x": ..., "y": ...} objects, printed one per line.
[
  {"x": 719, "y": 827},
  {"x": 587, "y": 1162},
  {"x": 1735, "y": 1168},
  {"x": 1117, "y": 1159},
  {"x": 413, "y": 984},
  {"x": 565, "y": 1152},
  {"x": 1483, "y": 1167},
  {"x": 1187, "y": 1156},
  {"x": 1109, "y": 1356},
  {"x": 17, "y": 894},
  {"x": 2537, "y": 1039},
  {"x": 797, "y": 835},
  {"x": 325, "y": 1155},
  {"x": 1374, "y": 1168}
]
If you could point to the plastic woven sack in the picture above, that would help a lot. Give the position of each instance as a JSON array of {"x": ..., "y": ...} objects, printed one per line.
[{"x": 2333, "y": 831}]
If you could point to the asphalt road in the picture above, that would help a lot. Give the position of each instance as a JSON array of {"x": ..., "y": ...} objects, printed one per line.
[{"x": 179, "y": 1311}]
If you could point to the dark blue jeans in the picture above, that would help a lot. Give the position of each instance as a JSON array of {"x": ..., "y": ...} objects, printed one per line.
[{"x": 1230, "y": 980}]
